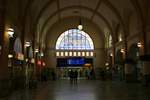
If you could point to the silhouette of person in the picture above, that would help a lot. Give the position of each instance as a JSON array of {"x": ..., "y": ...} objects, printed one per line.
[
  {"x": 75, "y": 76},
  {"x": 71, "y": 76}
]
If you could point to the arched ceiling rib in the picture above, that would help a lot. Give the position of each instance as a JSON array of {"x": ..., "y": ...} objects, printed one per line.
[
  {"x": 98, "y": 9},
  {"x": 70, "y": 25},
  {"x": 97, "y": 6},
  {"x": 115, "y": 11},
  {"x": 138, "y": 9},
  {"x": 44, "y": 8},
  {"x": 58, "y": 8},
  {"x": 122, "y": 4},
  {"x": 72, "y": 7}
]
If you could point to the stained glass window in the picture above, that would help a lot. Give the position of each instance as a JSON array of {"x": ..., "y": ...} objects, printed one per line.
[
  {"x": 74, "y": 39},
  {"x": 108, "y": 39}
]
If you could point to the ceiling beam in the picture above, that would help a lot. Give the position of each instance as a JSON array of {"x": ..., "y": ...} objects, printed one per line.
[
  {"x": 95, "y": 10},
  {"x": 41, "y": 13},
  {"x": 50, "y": 2},
  {"x": 115, "y": 11},
  {"x": 73, "y": 7},
  {"x": 58, "y": 9}
]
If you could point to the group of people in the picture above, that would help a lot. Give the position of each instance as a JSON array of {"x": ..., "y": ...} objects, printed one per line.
[{"x": 73, "y": 74}]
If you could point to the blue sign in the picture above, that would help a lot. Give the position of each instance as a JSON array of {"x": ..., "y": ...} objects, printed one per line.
[{"x": 75, "y": 61}]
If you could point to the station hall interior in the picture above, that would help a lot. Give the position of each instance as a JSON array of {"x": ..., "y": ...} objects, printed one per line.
[{"x": 105, "y": 44}]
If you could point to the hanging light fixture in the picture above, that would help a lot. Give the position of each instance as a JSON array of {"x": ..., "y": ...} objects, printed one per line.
[{"x": 80, "y": 26}]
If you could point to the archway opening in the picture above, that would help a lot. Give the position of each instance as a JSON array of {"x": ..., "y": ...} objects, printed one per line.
[
  {"x": 136, "y": 63},
  {"x": 74, "y": 51}
]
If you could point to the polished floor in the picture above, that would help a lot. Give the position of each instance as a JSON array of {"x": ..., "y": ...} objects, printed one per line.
[{"x": 84, "y": 90}]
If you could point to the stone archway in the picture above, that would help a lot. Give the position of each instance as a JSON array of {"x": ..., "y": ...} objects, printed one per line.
[
  {"x": 135, "y": 69},
  {"x": 119, "y": 65},
  {"x": 133, "y": 52},
  {"x": 119, "y": 57}
]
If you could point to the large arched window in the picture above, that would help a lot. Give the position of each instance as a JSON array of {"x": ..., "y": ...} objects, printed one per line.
[
  {"x": 74, "y": 39},
  {"x": 108, "y": 39},
  {"x": 74, "y": 43}
]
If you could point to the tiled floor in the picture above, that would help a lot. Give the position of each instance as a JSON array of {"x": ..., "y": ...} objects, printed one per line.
[{"x": 84, "y": 90}]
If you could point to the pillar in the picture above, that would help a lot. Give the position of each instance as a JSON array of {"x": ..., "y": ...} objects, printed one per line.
[
  {"x": 99, "y": 63},
  {"x": 145, "y": 58},
  {"x": 146, "y": 69},
  {"x": 128, "y": 72},
  {"x": 4, "y": 75}
]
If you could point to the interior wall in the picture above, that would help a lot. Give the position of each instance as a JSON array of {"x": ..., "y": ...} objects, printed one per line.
[{"x": 89, "y": 28}]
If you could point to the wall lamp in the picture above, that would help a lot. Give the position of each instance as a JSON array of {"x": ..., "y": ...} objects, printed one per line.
[
  {"x": 10, "y": 56},
  {"x": 106, "y": 64},
  {"x": 111, "y": 54},
  {"x": 10, "y": 32},
  {"x": 139, "y": 44},
  {"x": 36, "y": 50},
  {"x": 27, "y": 44},
  {"x": 122, "y": 51}
]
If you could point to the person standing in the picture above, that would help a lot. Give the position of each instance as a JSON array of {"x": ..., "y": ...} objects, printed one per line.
[
  {"x": 71, "y": 76},
  {"x": 75, "y": 77}
]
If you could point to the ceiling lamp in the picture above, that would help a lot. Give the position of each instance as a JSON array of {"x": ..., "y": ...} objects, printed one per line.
[{"x": 80, "y": 26}]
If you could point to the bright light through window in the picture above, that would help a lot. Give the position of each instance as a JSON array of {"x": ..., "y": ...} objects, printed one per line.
[
  {"x": 57, "y": 54},
  {"x": 83, "y": 53},
  {"x": 74, "y": 43},
  {"x": 66, "y": 53},
  {"x": 87, "y": 53},
  {"x": 74, "y": 39},
  {"x": 74, "y": 53},
  {"x": 70, "y": 53},
  {"x": 62, "y": 54},
  {"x": 79, "y": 53},
  {"x": 91, "y": 54}
]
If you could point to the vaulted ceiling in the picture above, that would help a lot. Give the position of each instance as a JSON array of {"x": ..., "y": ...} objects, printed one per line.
[{"x": 106, "y": 14}]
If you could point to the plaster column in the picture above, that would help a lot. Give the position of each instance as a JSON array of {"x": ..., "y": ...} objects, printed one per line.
[
  {"x": 99, "y": 62},
  {"x": 146, "y": 71},
  {"x": 51, "y": 62},
  {"x": 146, "y": 56},
  {"x": 4, "y": 75},
  {"x": 128, "y": 72}
]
